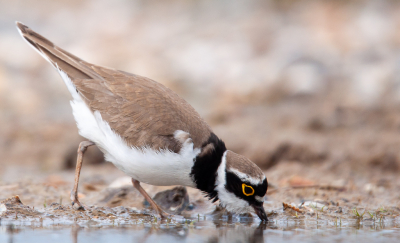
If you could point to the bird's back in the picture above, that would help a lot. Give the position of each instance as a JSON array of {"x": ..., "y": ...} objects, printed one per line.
[{"x": 141, "y": 111}]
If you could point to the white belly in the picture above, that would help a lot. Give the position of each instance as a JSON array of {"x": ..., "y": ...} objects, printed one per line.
[
  {"x": 143, "y": 164},
  {"x": 163, "y": 168}
]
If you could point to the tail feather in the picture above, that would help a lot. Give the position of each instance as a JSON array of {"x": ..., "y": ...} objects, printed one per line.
[{"x": 73, "y": 66}]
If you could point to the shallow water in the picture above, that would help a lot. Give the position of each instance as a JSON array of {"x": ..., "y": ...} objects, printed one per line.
[
  {"x": 200, "y": 230},
  {"x": 312, "y": 221}
]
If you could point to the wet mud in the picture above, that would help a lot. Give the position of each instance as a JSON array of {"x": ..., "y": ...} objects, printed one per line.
[{"x": 332, "y": 216}]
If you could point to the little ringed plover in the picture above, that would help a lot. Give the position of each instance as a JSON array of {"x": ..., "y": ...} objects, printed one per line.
[{"x": 150, "y": 133}]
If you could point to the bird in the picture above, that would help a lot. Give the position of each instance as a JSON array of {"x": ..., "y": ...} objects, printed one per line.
[{"x": 150, "y": 133}]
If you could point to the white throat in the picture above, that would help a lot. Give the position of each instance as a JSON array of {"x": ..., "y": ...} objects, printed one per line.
[{"x": 226, "y": 198}]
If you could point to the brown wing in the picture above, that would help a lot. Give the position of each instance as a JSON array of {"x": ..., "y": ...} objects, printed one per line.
[{"x": 140, "y": 110}]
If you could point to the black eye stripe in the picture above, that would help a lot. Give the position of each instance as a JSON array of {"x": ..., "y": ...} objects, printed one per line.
[{"x": 235, "y": 185}]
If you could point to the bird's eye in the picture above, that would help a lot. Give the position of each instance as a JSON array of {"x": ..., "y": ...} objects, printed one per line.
[{"x": 247, "y": 190}]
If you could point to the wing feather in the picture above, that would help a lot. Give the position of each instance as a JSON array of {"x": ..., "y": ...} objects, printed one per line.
[{"x": 140, "y": 110}]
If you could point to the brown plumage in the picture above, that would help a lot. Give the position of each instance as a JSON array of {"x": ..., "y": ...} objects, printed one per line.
[
  {"x": 243, "y": 164},
  {"x": 145, "y": 113},
  {"x": 140, "y": 110}
]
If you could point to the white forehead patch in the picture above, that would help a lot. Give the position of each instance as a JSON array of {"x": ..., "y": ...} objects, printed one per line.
[{"x": 246, "y": 177}]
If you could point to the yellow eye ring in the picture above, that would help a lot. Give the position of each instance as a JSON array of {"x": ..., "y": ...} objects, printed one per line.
[{"x": 244, "y": 186}]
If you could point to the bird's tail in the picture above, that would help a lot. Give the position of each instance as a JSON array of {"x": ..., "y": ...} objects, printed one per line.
[{"x": 62, "y": 60}]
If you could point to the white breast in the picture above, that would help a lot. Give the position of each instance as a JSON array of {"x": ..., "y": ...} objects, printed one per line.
[{"x": 143, "y": 164}]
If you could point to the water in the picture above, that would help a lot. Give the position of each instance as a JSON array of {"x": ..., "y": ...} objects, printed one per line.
[{"x": 210, "y": 230}]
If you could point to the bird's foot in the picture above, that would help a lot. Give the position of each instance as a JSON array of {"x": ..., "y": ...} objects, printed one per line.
[
  {"x": 161, "y": 213},
  {"x": 164, "y": 215},
  {"x": 75, "y": 202}
]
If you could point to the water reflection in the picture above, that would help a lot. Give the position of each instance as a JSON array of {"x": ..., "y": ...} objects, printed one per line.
[
  {"x": 258, "y": 235},
  {"x": 74, "y": 233},
  {"x": 214, "y": 231},
  {"x": 239, "y": 233},
  {"x": 219, "y": 229},
  {"x": 11, "y": 230}
]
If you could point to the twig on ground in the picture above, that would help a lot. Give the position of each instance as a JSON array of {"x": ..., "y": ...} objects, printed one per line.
[{"x": 322, "y": 187}]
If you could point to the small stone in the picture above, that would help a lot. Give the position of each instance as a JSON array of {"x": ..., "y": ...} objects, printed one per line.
[{"x": 3, "y": 208}]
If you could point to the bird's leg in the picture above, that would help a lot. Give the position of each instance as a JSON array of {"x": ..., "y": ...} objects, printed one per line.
[
  {"x": 160, "y": 212},
  {"x": 81, "y": 150}
]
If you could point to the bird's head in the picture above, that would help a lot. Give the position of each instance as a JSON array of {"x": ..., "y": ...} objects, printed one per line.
[{"x": 241, "y": 185}]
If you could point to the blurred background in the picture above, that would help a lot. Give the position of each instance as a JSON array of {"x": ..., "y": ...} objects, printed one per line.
[{"x": 296, "y": 86}]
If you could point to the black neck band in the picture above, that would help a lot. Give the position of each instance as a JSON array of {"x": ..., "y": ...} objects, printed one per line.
[{"x": 204, "y": 170}]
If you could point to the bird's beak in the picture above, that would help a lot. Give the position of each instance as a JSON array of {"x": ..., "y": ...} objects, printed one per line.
[{"x": 260, "y": 212}]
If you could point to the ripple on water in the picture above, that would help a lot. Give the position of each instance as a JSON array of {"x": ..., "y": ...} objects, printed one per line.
[{"x": 212, "y": 229}]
